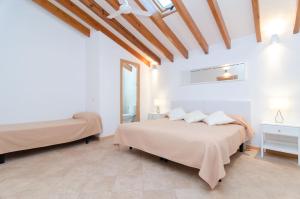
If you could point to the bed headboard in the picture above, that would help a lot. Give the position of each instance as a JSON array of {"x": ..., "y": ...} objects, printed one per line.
[{"x": 238, "y": 107}]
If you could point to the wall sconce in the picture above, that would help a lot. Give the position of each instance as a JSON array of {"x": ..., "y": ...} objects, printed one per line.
[
  {"x": 274, "y": 39},
  {"x": 154, "y": 66},
  {"x": 275, "y": 26}
]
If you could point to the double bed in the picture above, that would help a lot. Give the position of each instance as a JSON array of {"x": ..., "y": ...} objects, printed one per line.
[{"x": 198, "y": 145}]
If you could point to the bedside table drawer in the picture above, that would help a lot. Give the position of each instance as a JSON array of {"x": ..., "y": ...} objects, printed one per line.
[{"x": 281, "y": 130}]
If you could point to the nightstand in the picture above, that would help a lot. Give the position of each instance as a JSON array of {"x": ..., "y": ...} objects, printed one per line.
[
  {"x": 155, "y": 116},
  {"x": 283, "y": 129}
]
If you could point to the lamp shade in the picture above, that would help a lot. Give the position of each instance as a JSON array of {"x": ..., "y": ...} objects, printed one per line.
[
  {"x": 279, "y": 103},
  {"x": 157, "y": 102}
]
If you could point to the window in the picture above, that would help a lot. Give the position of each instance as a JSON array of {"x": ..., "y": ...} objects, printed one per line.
[{"x": 164, "y": 5}]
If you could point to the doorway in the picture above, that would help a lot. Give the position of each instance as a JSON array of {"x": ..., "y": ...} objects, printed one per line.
[{"x": 129, "y": 91}]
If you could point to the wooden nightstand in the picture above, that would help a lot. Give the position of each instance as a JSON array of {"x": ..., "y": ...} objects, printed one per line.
[
  {"x": 283, "y": 129},
  {"x": 155, "y": 116}
]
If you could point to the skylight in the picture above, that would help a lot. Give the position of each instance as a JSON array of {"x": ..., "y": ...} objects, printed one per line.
[{"x": 163, "y": 5}]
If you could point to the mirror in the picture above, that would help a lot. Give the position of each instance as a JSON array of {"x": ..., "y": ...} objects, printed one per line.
[
  {"x": 130, "y": 94},
  {"x": 223, "y": 73}
]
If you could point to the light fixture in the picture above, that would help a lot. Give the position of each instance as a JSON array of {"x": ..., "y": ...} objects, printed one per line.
[
  {"x": 279, "y": 104},
  {"x": 226, "y": 75},
  {"x": 274, "y": 39},
  {"x": 275, "y": 26},
  {"x": 154, "y": 67}
]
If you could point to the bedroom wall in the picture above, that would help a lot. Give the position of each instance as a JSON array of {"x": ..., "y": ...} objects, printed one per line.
[
  {"x": 42, "y": 65},
  {"x": 49, "y": 71},
  {"x": 103, "y": 81},
  {"x": 272, "y": 70}
]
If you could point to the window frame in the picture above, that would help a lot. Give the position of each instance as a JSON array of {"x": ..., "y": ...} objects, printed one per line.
[{"x": 160, "y": 7}]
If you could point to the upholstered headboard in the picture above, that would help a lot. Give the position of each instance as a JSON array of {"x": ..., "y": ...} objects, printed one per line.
[{"x": 239, "y": 107}]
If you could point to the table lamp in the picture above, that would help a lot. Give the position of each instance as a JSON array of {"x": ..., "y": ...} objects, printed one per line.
[
  {"x": 157, "y": 103},
  {"x": 279, "y": 104}
]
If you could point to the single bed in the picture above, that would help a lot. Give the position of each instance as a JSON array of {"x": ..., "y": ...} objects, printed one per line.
[
  {"x": 17, "y": 137},
  {"x": 197, "y": 145}
]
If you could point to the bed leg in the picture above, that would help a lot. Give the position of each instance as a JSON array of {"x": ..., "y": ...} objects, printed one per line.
[
  {"x": 130, "y": 148},
  {"x": 2, "y": 158},
  {"x": 164, "y": 159},
  {"x": 87, "y": 140},
  {"x": 241, "y": 148}
]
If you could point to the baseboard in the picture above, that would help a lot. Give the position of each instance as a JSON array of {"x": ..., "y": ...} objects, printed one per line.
[
  {"x": 250, "y": 147},
  {"x": 287, "y": 155},
  {"x": 277, "y": 153},
  {"x": 104, "y": 137}
]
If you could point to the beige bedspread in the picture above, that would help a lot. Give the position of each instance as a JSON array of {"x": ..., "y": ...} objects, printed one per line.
[
  {"x": 16, "y": 137},
  {"x": 196, "y": 145}
]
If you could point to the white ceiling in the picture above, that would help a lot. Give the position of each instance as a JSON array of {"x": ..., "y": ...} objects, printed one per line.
[{"x": 237, "y": 15}]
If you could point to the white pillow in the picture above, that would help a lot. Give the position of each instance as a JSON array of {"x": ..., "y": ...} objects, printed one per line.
[
  {"x": 176, "y": 114},
  {"x": 218, "y": 117},
  {"x": 195, "y": 116}
]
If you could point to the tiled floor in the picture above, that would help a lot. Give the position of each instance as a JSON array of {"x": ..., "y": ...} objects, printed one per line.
[{"x": 99, "y": 170}]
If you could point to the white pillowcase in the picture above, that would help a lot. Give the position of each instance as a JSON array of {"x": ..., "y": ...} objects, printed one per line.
[
  {"x": 176, "y": 114},
  {"x": 218, "y": 117},
  {"x": 195, "y": 116}
]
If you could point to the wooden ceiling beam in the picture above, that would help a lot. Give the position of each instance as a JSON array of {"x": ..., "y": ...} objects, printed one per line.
[
  {"x": 164, "y": 28},
  {"x": 297, "y": 21},
  {"x": 216, "y": 12},
  {"x": 97, "y": 26},
  {"x": 100, "y": 12},
  {"x": 68, "y": 4},
  {"x": 256, "y": 17},
  {"x": 63, "y": 16},
  {"x": 135, "y": 22},
  {"x": 187, "y": 18}
]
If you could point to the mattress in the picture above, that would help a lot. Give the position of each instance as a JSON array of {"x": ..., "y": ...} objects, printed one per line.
[
  {"x": 16, "y": 137},
  {"x": 197, "y": 145}
]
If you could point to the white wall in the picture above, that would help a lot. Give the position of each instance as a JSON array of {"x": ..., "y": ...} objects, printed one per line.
[
  {"x": 49, "y": 71},
  {"x": 42, "y": 64},
  {"x": 273, "y": 71},
  {"x": 103, "y": 84}
]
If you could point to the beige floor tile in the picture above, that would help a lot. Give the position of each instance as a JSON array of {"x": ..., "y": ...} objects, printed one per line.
[
  {"x": 100, "y": 170},
  {"x": 93, "y": 195},
  {"x": 128, "y": 183},
  {"x": 127, "y": 195},
  {"x": 159, "y": 194},
  {"x": 157, "y": 182}
]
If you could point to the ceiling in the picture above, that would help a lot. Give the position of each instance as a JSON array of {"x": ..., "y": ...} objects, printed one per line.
[{"x": 237, "y": 15}]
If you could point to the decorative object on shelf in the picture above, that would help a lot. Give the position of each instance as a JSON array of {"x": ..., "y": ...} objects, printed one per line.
[
  {"x": 157, "y": 103},
  {"x": 279, "y": 104}
]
